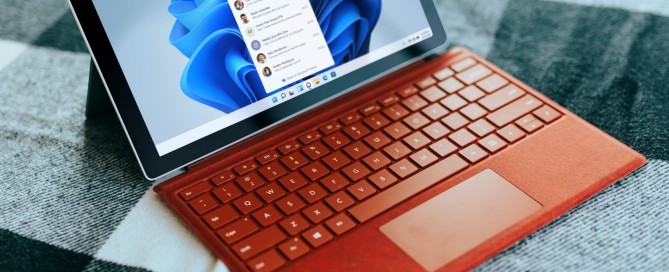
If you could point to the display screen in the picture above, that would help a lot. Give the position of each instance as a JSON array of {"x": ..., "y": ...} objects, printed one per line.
[{"x": 196, "y": 67}]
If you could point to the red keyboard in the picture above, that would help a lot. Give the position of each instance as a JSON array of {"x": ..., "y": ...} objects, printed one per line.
[{"x": 298, "y": 196}]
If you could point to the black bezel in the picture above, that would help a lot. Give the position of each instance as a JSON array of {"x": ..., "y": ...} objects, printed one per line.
[{"x": 154, "y": 165}]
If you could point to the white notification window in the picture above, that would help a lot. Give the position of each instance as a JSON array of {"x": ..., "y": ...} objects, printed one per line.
[{"x": 283, "y": 38}]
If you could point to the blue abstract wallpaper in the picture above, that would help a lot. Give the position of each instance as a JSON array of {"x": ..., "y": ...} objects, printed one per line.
[{"x": 220, "y": 72}]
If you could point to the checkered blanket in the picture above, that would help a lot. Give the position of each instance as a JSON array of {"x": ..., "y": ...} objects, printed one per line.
[{"x": 73, "y": 198}]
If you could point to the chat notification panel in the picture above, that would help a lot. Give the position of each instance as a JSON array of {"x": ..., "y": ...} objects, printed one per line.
[{"x": 283, "y": 38}]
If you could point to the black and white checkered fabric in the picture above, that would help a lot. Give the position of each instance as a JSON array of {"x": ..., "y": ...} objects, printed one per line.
[{"x": 72, "y": 196}]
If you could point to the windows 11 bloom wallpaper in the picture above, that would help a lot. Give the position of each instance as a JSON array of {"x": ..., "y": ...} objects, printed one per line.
[{"x": 221, "y": 73}]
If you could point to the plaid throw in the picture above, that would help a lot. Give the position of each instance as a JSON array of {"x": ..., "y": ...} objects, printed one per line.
[{"x": 73, "y": 198}]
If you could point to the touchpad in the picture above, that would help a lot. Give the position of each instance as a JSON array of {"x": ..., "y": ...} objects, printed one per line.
[{"x": 455, "y": 221}]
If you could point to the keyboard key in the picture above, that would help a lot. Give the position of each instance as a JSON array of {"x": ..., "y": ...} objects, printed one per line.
[
  {"x": 317, "y": 236},
  {"x": 290, "y": 204},
  {"x": 455, "y": 121},
  {"x": 315, "y": 170},
  {"x": 330, "y": 127},
  {"x": 547, "y": 114},
  {"x": 492, "y": 83},
  {"x": 407, "y": 188},
  {"x": 248, "y": 203},
  {"x": 195, "y": 190},
  {"x": 525, "y": 120},
  {"x": 432, "y": 94},
  {"x": 403, "y": 168},
  {"x": 370, "y": 109},
  {"x": 294, "y": 160},
  {"x": 272, "y": 171},
  {"x": 423, "y": 158},
  {"x": 414, "y": 103},
  {"x": 382, "y": 179},
  {"x": 250, "y": 181},
  {"x": 350, "y": 118},
  {"x": 397, "y": 150},
  {"x": 533, "y": 126},
  {"x": 237, "y": 230},
  {"x": 426, "y": 82},
  {"x": 356, "y": 131},
  {"x": 376, "y": 121},
  {"x": 268, "y": 261},
  {"x": 258, "y": 242},
  {"x": 443, "y": 147},
  {"x": 396, "y": 112},
  {"x": 481, "y": 128},
  {"x": 317, "y": 212},
  {"x": 271, "y": 192},
  {"x": 223, "y": 178},
  {"x": 293, "y": 181},
  {"x": 443, "y": 74},
  {"x": 462, "y": 137},
  {"x": 267, "y": 215},
  {"x": 397, "y": 130},
  {"x": 336, "y": 160},
  {"x": 355, "y": 171},
  {"x": 492, "y": 143},
  {"x": 357, "y": 150},
  {"x": 514, "y": 110},
  {"x": 473, "y": 153},
  {"x": 334, "y": 182},
  {"x": 294, "y": 248},
  {"x": 221, "y": 216},
  {"x": 408, "y": 91},
  {"x": 436, "y": 131},
  {"x": 417, "y": 140},
  {"x": 389, "y": 100},
  {"x": 340, "y": 224},
  {"x": 203, "y": 203},
  {"x": 315, "y": 150},
  {"x": 501, "y": 97},
  {"x": 471, "y": 93},
  {"x": 289, "y": 147},
  {"x": 245, "y": 167},
  {"x": 473, "y": 74},
  {"x": 340, "y": 201},
  {"x": 377, "y": 140},
  {"x": 376, "y": 161},
  {"x": 310, "y": 137},
  {"x": 463, "y": 64},
  {"x": 313, "y": 193},
  {"x": 451, "y": 85},
  {"x": 294, "y": 224},
  {"x": 473, "y": 111},
  {"x": 336, "y": 140},
  {"x": 435, "y": 111},
  {"x": 416, "y": 121},
  {"x": 361, "y": 190},
  {"x": 453, "y": 102},
  {"x": 267, "y": 157},
  {"x": 227, "y": 192},
  {"x": 511, "y": 133}
]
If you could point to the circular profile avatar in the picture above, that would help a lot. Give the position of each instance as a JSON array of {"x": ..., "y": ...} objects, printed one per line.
[
  {"x": 266, "y": 72},
  {"x": 261, "y": 58},
  {"x": 245, "y": 19},
  {"x": 239, "y": 5}
]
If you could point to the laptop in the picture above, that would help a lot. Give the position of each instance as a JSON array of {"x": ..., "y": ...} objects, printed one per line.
[{"x": 338, "y": 134}]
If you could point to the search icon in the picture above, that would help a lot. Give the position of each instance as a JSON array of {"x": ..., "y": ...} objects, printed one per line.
[{"x": 283, "y": 95}]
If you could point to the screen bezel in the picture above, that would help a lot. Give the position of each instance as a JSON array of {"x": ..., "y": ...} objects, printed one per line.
[{"x": 155, "y": 166}]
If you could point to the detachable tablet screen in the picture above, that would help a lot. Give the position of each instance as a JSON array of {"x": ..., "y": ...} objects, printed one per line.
[{"x": 198, "y": 67}]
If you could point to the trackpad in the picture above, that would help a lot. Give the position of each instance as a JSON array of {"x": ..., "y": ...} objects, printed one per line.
[{"x": 455, "y": 221}]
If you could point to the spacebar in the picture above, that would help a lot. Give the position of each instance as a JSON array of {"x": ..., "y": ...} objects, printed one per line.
[{"x": 407, "y": 188}]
